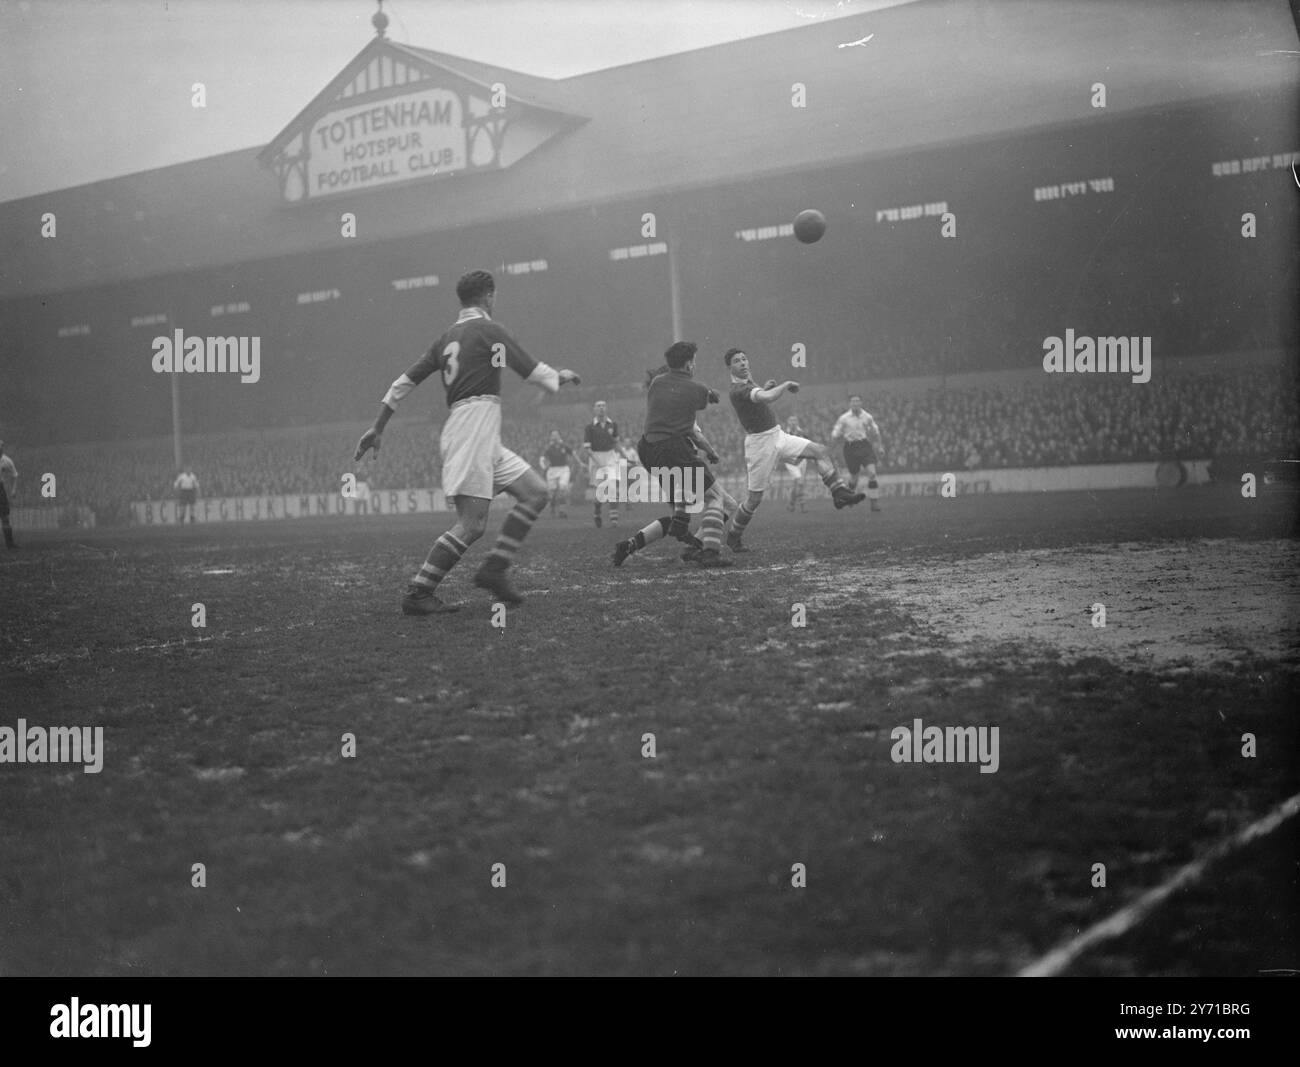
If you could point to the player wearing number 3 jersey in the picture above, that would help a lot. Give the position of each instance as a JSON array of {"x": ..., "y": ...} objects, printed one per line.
[{"x": 475, "y": 465}]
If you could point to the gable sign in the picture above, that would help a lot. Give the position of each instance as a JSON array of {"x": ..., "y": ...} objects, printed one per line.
[
  {"x": 395, "y": 115},
  {"x": 368, "y": 145}
]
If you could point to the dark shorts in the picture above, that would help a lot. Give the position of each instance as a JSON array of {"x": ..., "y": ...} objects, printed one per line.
[
  {"x": 189, "y": 496},
  {"x": 677, "y": 452},
  {"x": 858, "y": 454}
]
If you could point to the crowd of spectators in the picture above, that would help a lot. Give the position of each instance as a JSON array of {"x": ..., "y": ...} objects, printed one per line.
[{"x": 1054, "y": 421}]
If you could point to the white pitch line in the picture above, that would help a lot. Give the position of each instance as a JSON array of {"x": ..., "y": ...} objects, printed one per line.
[{"x": 1130, "y": 915}]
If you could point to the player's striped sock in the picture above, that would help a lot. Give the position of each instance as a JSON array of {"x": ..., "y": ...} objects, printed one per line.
[
  {"x": 873, "y": 489},
  {"x": 650, "y": 534},
  {"x": 513, "y": 531},
  {"x": 741, "y": 519},
  {"x": 710, "y": 532},
  {"x": 444, "y": 555},
  {"x": 831, "y": 479}
]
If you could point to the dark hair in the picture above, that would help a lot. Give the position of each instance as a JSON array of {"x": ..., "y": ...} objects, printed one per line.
[
  {"x": 680, "y": 353},
  {"x": 474, "y": 286},
  {"x": 726, "y": 359},
  {"x": 854, "y": 396}
]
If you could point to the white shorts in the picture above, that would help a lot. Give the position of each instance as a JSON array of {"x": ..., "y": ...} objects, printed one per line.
[
  {"x": 763, "y": 451},
  {"x": 474, "y": 463},
  {"x": 603, "y": 465},
  {"x": 558, "y": 478}
]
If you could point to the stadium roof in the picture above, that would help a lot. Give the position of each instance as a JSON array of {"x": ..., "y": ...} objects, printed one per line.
[{"x": 933, "y": 72}]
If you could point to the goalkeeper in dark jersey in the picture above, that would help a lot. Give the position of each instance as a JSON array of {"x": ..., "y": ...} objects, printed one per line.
[
  {"x": 669, "y": 443},
  {"x": 475, "y": 465}
]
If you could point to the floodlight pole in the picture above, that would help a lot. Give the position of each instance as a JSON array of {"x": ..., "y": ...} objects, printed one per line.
[
  {"x": 176, "y": 398},
  {"x": 674, "y": 283}
]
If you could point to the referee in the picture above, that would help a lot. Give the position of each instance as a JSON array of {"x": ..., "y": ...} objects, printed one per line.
[
  {"x": 861, "y": 437},
  {"x": 187, "y": 493}
]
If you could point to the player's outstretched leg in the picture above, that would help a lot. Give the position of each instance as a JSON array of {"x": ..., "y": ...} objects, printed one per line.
[
  {"x": 741, "y": 519},
  {"x": 841, "y": 494},
  {"x": 711, "y": 530},
  {"x": 529, "y": 492},
  {"x": 421, "y": 596},
  {"x": 648, "y": 535}
]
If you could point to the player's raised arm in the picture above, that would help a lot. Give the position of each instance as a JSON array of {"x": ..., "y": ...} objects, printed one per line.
[
  {"x": 697, "y": 435},
  {"x": 768, "y": 396},
  {"x": 531, "y": 370},
  {"x": 421, "y": 369}
]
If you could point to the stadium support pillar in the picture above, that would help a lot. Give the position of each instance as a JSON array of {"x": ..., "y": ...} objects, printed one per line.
[
  {"x": 674, "y": 282},
  {"x": 176, "y": 409}
]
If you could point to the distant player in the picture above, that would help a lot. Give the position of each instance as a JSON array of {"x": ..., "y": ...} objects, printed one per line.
[
  {"x": 475, "y": 465},
  {"x": 796, "y": 471},
  {"x": 766, "y": 444},
  {"x": 627, "y": 453},
  {"x": 187, "y": 494},
  {"x": 599, "y": 440},
  {"x": 861, "y": 437},
  {"x": 555, "y": 462},
  {"x": 8, "y": 486},
  {"x": 671, "y": 440}
]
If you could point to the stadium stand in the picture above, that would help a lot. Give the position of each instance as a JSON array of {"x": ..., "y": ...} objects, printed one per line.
[{"x": 1031, "y": 424}]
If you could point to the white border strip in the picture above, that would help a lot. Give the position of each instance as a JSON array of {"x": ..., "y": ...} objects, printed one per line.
[{"x": 1130, "y": 915}]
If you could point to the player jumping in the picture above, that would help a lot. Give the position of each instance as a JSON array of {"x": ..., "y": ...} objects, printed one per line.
[
  {"x": 766, "y": 444},
  {"x": 475, "y": 465},
  {"x": 861, "y": 437}
]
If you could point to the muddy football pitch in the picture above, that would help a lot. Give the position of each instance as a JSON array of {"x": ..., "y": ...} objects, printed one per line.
[{"x": 663, "y": 770}]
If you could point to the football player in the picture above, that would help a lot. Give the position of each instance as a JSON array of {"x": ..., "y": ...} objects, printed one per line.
[
  {"x": 8, "y": 484},
  {"x": 796, "y": 471},
  {"x": 766, "y": 444},
  {"x": 475, "y": 465},
  {"x": 555, "y": 462},
  {"x": 671, "y": 440},
  {"x": 599, "y": 441},
  {"x": 861, "y": 437}
]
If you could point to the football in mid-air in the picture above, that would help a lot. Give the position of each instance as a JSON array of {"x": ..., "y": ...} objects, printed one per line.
[{"x": 809, "y": 226}]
